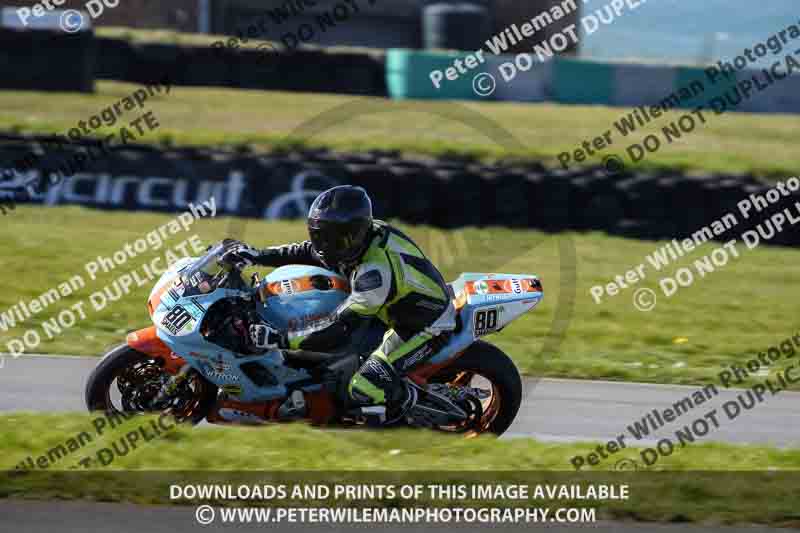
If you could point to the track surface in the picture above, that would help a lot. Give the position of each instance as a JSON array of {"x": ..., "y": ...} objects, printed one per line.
[{"x": 552, "y": 410}]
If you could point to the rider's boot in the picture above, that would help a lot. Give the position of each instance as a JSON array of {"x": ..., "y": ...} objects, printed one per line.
[
  {"x": 396, "y": 408},
  {"x": 399, "y": 397}
]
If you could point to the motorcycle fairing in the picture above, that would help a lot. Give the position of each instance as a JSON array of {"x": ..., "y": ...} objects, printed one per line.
[
  {"x": 495, "y": 299},
  {"x": 297, "y": 294}
]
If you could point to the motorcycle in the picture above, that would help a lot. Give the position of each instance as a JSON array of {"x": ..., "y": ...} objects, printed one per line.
[{"x": 196, "y": 364}]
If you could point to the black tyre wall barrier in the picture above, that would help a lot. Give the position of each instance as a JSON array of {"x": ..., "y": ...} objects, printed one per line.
[
  {"x": 246, "y": 67},
  {"x": 447, "y": 193},
  {"x": 47, "y": 60},
  {"x": 59, "y": 61}
]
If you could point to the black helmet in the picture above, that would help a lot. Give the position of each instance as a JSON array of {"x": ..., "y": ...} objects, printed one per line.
[{"x": 340, "y": 224}]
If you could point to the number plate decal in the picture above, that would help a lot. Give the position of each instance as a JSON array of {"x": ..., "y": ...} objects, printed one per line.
[
  {"x": 485, "y": 321},
  {"x": 177, "y": 319}
]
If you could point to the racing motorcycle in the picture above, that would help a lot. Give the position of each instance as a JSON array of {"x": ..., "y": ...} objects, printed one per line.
[{"x": 195, "y": 361}]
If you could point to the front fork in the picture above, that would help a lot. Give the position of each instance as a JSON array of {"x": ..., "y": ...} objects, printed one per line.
[{"x": 171, "y": 386}]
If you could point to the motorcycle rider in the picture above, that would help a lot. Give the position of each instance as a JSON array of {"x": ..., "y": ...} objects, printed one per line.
[{"x": 390, "y": 279}]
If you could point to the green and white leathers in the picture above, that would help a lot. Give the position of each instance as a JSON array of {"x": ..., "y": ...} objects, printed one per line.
[{"x": 396, "y": 283}]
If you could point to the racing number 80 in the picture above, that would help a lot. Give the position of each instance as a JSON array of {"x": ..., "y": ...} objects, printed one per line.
[{"x": 485, "y": 321}]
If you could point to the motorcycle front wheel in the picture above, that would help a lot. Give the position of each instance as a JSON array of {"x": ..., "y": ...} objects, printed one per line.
[{"x": 126, "y": 381}]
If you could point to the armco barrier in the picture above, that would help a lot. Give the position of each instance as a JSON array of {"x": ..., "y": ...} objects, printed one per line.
[
  {"x": 582, "y": 82},
  {"x": 695, "y": 81},
  {"x": 408, "y": 75},
  {"x": 571, "y": 81},
  {"x": 636, "y": 85},
  {"x": 446, "y": 193},
  {"x": 783, "y": 97},
  {"x": 532, "y": 85}
]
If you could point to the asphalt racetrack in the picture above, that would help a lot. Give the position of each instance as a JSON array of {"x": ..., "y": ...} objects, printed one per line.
[{"x": 552, "y": 410}]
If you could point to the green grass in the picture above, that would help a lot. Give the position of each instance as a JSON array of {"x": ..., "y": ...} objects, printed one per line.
[
  {"x": 297, "y": 454},
  {"x": 736, "y": 142},
  {"x": 315, "y": 449},
  {"x": 726, "y": 317}
]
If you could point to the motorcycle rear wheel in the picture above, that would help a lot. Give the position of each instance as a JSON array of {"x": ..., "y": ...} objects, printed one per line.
[
  {"x": 483, "y": 360},
  {"x": 138, "y": 374}
]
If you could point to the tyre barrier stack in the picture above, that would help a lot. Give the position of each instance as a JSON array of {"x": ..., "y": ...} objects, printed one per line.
[
  {"x": 245, "y": 67},
  {"x": 445, "y": 192},
  {"x": 58, "y": 61},
  {"x": 47, "y": 60}
]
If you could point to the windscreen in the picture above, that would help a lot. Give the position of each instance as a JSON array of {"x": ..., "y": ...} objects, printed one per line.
[{"x": 205, "y": 274}]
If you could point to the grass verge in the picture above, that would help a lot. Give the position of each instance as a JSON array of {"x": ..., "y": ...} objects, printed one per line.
[
  {"x": 298, "y": 447},
  {"x": 734, "y": 142},
  {"x": 297, "y": 454}
]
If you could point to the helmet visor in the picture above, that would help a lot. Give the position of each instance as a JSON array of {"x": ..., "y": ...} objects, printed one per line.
[{"x": 338, "y": 241}]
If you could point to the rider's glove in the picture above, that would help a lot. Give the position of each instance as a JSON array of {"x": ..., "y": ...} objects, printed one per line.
[
  {"x": 240, "y": 256},
  {"x": 264, "y": 337}
]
